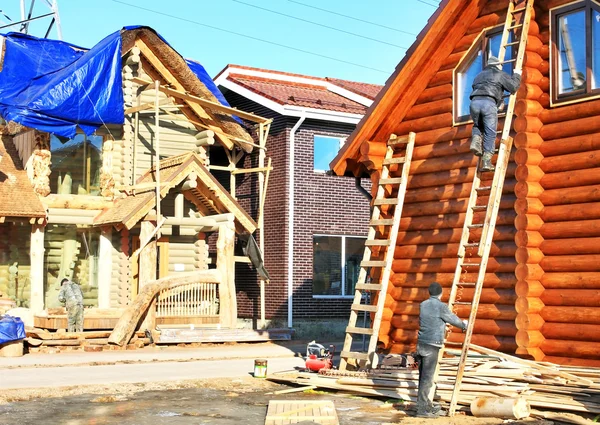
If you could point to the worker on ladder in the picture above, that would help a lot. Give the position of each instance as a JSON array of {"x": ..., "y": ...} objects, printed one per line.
[
  {"x": 487, "y": 96},
  {"x": 433, "y": 316}
]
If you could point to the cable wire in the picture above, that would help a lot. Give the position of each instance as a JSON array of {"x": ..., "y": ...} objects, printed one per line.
[
  {"x": 429, "y": 4},
  {"x": 308, "y": 52},
  {"x": 319, "y": 25},
  {"x": 352, "y": 17}
]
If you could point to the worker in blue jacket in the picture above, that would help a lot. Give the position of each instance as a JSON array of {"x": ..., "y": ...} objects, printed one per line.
[
  {"x": 487, "y": 96},
  {"x": 433, "y": 317}
]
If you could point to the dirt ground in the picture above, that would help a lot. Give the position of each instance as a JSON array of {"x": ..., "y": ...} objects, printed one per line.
[{"x": 215, "y": 401}]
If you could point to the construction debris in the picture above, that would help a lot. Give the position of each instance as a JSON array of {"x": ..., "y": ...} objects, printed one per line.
[
  {"x": 492, "y": 374},
  {"x": 41, "y": 340}
]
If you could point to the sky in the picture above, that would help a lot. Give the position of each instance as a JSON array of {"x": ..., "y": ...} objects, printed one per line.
[{"x": 248, "y": 32}]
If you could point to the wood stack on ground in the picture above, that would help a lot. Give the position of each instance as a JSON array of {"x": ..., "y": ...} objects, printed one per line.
[
  {"x": 544, "y": 386},
  {"x": 41, "y": 340}
]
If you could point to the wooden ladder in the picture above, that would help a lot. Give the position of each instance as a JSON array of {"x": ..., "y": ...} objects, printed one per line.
[
  {"x": 369, "y": 359},
  {"x": 517, "y": 21}
]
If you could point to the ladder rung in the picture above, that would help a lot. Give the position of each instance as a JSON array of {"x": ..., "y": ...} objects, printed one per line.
[
  {"x": 514, "y": 43},
  {"x": 471, "y": 244},
  {"x": 369, "y": 287},
  {"x": 391, "y": 180},
  {"x": 398, "y": 141},
  {"x": 364, "y": 307},
  {"x": 386, "y": 201},
  {"x": 456, "y": 344},
  {"x": 514, "y": 26},
  {"x": 389, "y": 161},
  {"x": 359, "y": 331},
  {"x": 372, "y": 263},
  {"x": 519, "y": 10},
  {"x": 507, "y": 61},
  {"x": 467, "y": 284},
  {"x": 377, "y": 242},
  {"x": 461, "y": 303},
  {"x": 382, "y": 222},
  {"x": 479, "y": 207},
  {"x": 484, "y": 188},
  {"x": 471, "y": 265},
  {"x": 475, "y": 226},
  {"x": 354, "y": 355}
]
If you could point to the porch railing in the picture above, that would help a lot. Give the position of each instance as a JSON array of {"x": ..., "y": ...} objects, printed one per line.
[{"x": 193, "y": 299}]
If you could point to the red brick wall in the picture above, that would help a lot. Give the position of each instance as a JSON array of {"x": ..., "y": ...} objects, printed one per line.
[{"x": 323, "y": 205}]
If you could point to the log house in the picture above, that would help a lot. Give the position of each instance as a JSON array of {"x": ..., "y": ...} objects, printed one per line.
[
  {"x": 133, "y": 203},
  {"x": 541, "y": 293}
]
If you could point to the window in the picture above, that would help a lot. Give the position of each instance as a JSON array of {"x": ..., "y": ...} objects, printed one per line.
[
  {"x": 473, "y": 64},
  {"x": 336, "y": 264},
  {"x": 325, "y": 149},
  {"x": 76, "y": 165},
  {"x": 576, "y": 51}
]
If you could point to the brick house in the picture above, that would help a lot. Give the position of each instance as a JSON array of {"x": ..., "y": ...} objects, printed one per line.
[{"x": 315, "y": 223}]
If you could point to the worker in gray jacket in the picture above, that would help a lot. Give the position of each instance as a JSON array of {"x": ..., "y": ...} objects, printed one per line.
[
  {"x": 433, "y": 317},
  {"x": 71, "y": 296},
  {"x": 487, "y": 96}
]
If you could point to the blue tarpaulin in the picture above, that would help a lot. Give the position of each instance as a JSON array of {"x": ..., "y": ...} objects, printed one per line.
[
  {"x": 11, "y": 329},
  {"x": 56, "y": 87}
]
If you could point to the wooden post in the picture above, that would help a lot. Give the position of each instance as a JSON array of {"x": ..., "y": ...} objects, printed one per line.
[
  {"x": 104, "y": 267},
  {"x": 157, "y": 148},
  {"x": 226, "y": 266},
  {"x": 36, "y": 303},
  {"x": 147, "y": 270}
]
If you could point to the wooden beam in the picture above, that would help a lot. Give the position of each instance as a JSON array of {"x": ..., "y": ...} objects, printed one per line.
[
  {"x": 168, "y": 76},
  {"x": 147, "y": 270},
  {"x": 226, "y": 266},
  {"x": 180, "y": 94},
  {"x": 251, "y": 170},
  {"x": 36, "y": 273},
  {"x": 146, "y": 240}
]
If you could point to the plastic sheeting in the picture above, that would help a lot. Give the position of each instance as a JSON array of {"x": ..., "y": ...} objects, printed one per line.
[
  {"x": 56, "y": 87},
  {"x": 11, "y": 329}
]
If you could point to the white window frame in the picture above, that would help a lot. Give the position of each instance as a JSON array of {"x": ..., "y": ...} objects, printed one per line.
[
  {"x": 341, "y": 140},
  {"x": 342, "y": 265}
]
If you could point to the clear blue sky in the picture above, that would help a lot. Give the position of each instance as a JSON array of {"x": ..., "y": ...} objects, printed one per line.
[{"x": 85, "y": 22}]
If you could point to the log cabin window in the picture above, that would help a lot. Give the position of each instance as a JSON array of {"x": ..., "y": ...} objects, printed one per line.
[
  {"x": 76, "y": 165},
  {"x": 576, "y": 51},
  {"x": 336, "y": 264},
  {"x": 473, "y": 63},
  {"x": 325, "y": 148}
]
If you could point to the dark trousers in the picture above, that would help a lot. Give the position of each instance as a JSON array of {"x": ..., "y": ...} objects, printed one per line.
[
  {"x": 485, "y": 121},
  {"x": 428, "y": 361}
]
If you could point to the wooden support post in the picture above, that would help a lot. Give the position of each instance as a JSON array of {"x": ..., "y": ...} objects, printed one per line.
[
  {"x": 147, "y": 270},
  {"x": 226, "y": 266},
  {"x": 104, "y": 267},
  {"x": 179, "y": 205},
  {"x": 157, "y": 149},
  {"x": 36, "y": 303}
]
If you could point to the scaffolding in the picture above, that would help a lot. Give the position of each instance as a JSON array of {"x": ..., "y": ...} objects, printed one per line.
[{"x": 28, "y": 13}]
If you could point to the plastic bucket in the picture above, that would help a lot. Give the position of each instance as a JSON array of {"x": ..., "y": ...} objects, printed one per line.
[{"x": 260, "y": 368}]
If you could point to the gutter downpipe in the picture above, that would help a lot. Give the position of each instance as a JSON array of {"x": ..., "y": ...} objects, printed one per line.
[
  {"x": 290, "y": 288},
  {"x": 362, "y": 190}
]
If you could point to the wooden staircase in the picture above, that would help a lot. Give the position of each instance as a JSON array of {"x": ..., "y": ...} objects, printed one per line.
[{"x": 378, "y": 241}]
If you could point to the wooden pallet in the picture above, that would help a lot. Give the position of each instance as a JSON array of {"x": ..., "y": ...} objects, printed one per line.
[{"x": 283, "y": 412}]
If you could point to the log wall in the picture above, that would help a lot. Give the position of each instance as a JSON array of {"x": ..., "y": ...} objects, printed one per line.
[
  {"x": 14, "y": 263},
  {"x": 541, "y": 295}
]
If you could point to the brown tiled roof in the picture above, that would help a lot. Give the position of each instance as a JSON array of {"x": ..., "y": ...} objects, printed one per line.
[
  {"x": 298, "y": 94},
  {"x": 17, "y": 197},
  {"x": 209, "y": 196},
  {"x": 367, "y": 90}
]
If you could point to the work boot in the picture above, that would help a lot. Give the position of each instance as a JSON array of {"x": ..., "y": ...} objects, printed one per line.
[
  {"x": 426, "y": 414},
  {"x": 486, "y": 162},
  {"x": 476, "y": 145}
]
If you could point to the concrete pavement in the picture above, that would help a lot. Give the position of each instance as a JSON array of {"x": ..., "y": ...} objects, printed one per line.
[{"x": 152, "y": 364}]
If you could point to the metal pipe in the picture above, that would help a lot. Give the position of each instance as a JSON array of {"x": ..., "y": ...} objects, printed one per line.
[
  {"x": 290, "y": 264},
  {"x": 365, "y": 192}
]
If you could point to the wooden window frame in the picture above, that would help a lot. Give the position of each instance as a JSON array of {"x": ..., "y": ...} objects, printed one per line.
[
  {"x": 482, "y": 41},
  {"x": 583, "y": 94}
]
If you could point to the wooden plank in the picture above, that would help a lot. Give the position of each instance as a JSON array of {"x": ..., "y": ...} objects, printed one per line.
[{"x": 281, "y": 412}]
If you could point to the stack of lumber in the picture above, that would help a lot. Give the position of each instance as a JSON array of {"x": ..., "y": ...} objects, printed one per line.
[
  {"x": 41, "y": 340},
  {"x": 543, "y": 385}
]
